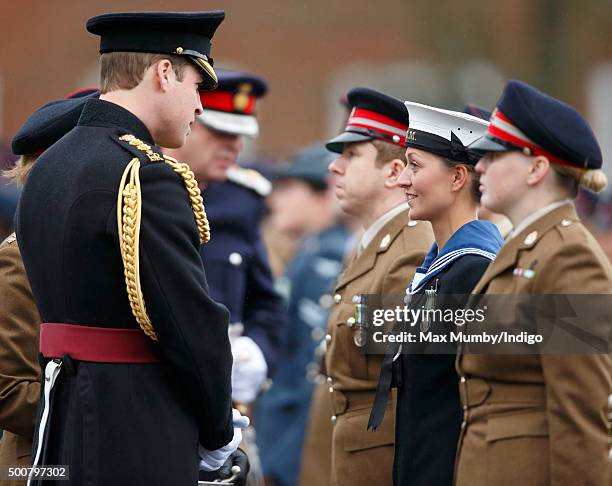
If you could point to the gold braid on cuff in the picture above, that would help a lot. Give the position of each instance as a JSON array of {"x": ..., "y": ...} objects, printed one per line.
[{"x": 129, "y": 216}]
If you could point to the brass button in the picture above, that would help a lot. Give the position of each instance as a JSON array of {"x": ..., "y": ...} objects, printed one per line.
[
  {"x": 350, "y": 321},
  {"x": 328, "y": 338},
  {"x": 334, "y": 419},
  {"x": 330, "y": 380},
  {"x": 337, "y": 298},
  {"x": 463, "y": 379},
  {"x": 331, "y": 389}
]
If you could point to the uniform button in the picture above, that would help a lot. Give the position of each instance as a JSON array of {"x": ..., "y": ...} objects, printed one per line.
[
  {"x": 337, "y": 298},
  {"x": 326, "y": 301},
  {"x": 317, "y": 334},
  {"x": 331, "y": 389},
  {"x": 330, "y": 380},
  {"x": 412, "y": 223},
  {"x": 465, "y": 407},
  {"x": 350, "y": 321},
  {"x": 356, "y": 299},
  {"x": 333, "y": 419},
  {"x": 566, "y": 222},
  {"x": 463, "y": 379},
  {"x": 235, "y": 259},
  {"x": 328, "y": 338}
]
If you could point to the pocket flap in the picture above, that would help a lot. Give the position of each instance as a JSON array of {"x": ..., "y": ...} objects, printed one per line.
[
  {"x": 358, "y": 437},
  {"x": 532, "y": 424}
]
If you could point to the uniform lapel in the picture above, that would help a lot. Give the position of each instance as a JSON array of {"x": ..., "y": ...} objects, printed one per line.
[
  {"x": 508, "y": 254},
  {"x": 379, "y": 244}
]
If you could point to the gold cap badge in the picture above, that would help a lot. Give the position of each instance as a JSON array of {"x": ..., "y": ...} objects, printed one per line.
[{"x": 241, "y": 99}]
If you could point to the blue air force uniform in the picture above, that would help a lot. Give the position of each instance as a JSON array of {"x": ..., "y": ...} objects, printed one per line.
[{"x": 236, "y": 260}]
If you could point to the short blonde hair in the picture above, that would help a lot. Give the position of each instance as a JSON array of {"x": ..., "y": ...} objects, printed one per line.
[
  {"x": 387, "y": 151},
  {"x": 125, "y": 70},
  {"x": 20, "y": 171}
]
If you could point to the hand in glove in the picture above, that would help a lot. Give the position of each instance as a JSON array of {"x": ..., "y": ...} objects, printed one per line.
[
  {"x": 249, "y": 370},
  {"x": 213, "y": 460},
  {"x": 237, "y": 460}
]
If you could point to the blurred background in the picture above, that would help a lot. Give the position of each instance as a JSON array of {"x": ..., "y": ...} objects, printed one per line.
[{"x": 444, "y": 53}]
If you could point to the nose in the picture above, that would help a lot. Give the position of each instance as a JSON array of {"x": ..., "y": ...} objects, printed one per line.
[
  {"x": 199, "y": 109},
  {"x": 336, "y": 167},
  {"x": 481, "y": 165},
  {"x": 404, "y": 180}
]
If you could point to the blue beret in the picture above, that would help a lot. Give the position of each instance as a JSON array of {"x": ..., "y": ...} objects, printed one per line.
[
  {"x": 309, "y": 164},
  {"x": 528, "y": 119},
  {"x": 176, "y": 33},
  {"x": 374, "y": 116},
  {"x": 51, "y": 122},
  {"x": 477, "y": 111}
]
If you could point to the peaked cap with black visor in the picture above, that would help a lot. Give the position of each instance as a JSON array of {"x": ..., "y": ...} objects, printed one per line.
[
  {"x": 374, "y": 116},
  {"x": 443, "y": 132},
  {"x": 535, "y": 123},
  {"x": 186, "y": 34}
]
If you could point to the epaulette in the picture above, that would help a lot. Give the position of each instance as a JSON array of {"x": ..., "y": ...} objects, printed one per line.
[
  {"x": 138, "y": 148},
  {"x": 12, "y": 238},
  {"x": 129, "y": 214},
  {"x": 251, "y": 179}
]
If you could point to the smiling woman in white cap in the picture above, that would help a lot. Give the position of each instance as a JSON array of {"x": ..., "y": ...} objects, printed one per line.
[{"x": 441, "y": 187}]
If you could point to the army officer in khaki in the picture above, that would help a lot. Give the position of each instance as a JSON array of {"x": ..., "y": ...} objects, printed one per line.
[
  {"x": 371, "y": 159},
  {"x": 538, "y": 419}
]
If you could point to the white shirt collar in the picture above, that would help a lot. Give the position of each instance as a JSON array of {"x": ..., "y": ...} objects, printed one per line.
[
  {"x": 377, "y": 225},
  {"x": 535, "y": 216}
]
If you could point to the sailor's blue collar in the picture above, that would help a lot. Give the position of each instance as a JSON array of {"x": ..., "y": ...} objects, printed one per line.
[{"x": 473, "y": 238}]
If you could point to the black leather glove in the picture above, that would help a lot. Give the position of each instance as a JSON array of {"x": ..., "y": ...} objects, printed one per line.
[{"x": 238, "y": 459}]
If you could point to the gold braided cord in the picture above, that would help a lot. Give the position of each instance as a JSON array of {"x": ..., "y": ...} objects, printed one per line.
[
  {"x": 195, "y": 196},
  {"x": 129, "y": 214}
]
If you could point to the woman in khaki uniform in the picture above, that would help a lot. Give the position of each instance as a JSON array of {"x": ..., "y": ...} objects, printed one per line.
[
  {"x": 19, "y": 318},
  {"x": 538, "y": 419}
]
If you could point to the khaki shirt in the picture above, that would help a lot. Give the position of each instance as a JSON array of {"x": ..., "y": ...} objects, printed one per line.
[
  {"x": 559, "y": 435},
  {"x": 19, "y": 369}
]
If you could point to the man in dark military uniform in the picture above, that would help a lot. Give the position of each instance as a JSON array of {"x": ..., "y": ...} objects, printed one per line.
[
  {"x": 136, "y": 353},
  {"x": 236, "y": 261}
]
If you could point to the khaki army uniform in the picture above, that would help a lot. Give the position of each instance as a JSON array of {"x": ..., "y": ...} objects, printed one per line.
[
  {"x": 19, "y": 370},
  {"x": 386, "y": 265},
  {"x": 539, "y": 419}
]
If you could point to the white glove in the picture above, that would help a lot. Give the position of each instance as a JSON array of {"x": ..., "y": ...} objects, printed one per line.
[
  {"x": 249, "y": 370},
  {"x": 213, "y": 460}
]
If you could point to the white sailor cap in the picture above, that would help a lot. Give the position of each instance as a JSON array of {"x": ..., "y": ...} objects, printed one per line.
[{"x": 444, "y": 132}]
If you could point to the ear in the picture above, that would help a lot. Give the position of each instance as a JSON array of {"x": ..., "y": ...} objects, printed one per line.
[
  {"x": 392, "y": 171},
  {"x": 163, "y": 74},
  {"x": 540, "y": 166},
  {"x": 461, "y": 177}
]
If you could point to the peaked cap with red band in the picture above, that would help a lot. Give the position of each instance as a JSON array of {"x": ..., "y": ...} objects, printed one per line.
[
  {"x": 528, "y": 120},
  {"x": 374, "y": 116},
  {"x": 51, "y": 122},
  {"x": 231, "y": 107}
]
